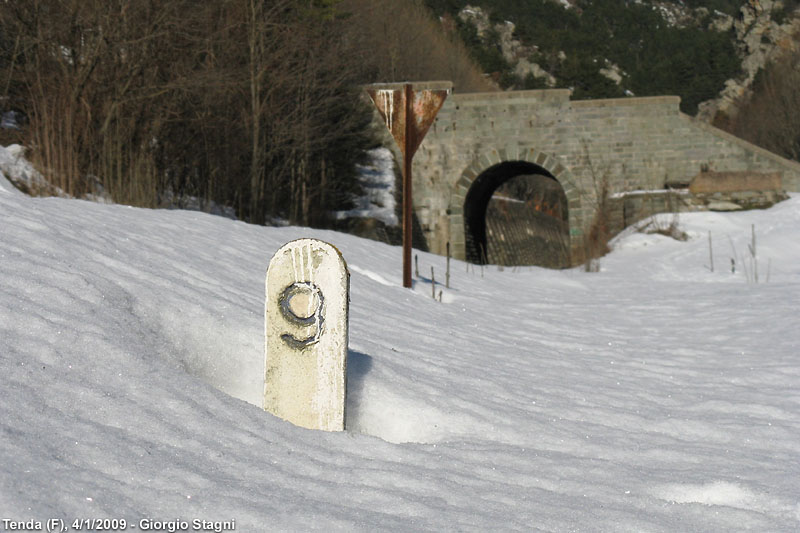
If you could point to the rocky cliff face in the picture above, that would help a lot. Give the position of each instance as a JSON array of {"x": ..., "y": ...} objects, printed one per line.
[
  {"x": 760, "y": 39},
  {"x": 513, "y": 50}
]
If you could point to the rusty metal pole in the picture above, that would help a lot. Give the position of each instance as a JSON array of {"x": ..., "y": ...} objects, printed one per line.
[
  {"x": 408, "y": 123},
  {"x": 408, "y": 155}
]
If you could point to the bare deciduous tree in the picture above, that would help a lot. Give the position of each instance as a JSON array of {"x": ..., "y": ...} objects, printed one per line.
[
  {"x": 770, "y": 116},
  {"x": 248, "y": 103}
]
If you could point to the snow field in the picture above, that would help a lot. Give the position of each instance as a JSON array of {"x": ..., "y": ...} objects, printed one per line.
[{"x": 652, "y": 396}]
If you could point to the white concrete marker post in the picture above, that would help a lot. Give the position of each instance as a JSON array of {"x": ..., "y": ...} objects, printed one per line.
[{"x": 306, "y": 310}]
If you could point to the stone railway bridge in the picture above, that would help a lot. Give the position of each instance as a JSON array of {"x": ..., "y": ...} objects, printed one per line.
[{"x": 480, "y": 141}]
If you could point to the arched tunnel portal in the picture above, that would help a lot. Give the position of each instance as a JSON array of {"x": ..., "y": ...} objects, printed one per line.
[{"x": 516, "y": 213}]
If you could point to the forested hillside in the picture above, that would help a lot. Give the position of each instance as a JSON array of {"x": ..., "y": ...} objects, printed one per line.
[{"x": 602, "y": 48}]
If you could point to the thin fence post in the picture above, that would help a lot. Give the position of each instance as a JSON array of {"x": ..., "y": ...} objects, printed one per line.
[
  {"x": 710, "y": 251},
  {"x": 433, "y": 285},
  {"x": 447, "y": 272},
  {"x": 753, "y": 253}
]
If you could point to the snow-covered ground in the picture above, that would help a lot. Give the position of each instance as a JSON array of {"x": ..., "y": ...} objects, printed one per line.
[{"x": 655, "y": 395}]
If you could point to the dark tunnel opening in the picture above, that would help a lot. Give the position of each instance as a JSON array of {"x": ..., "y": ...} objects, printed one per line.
[{"x": 516, "y": 213}]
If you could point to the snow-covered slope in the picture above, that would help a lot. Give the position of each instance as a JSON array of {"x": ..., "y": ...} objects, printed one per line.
[{"x": 652, "y": 396}]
